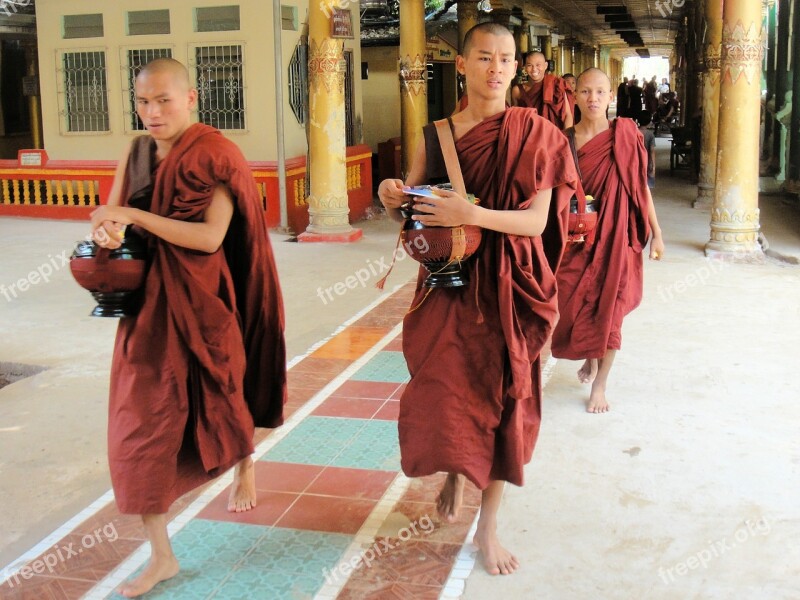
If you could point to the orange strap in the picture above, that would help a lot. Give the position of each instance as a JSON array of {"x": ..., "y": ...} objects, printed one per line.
[{"x": 448, "y": 145}]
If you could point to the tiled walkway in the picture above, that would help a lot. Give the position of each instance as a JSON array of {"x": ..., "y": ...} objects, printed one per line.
[{"x": 335, "y": 517}]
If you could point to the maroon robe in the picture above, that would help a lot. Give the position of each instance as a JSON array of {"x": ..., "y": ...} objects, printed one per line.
[
  {"x": 600, "y": 282},
  {"x": 204, "y": 360},
  {"x": 473, "y": 403},
  {"x": 548, "y": 97}
]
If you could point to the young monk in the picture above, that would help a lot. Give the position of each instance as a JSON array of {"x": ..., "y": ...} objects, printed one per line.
[
  {"x": 472, "y": 407},
  {"x": 569, "y": 86},
  {"x": 600, "y": 281},
  {"x": 204, "y": 360},
  {"x": 543, "y": 91}
]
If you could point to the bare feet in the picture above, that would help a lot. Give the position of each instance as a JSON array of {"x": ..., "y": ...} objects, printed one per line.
[
  {"x": 496, "y": 559},
  {"x": 597, "y": 400},
  {"x": 156, "y": 571},
  {"x": 243, "y": 491},
  {"x": 448, "y": 504},
  {"x": 588, "y": 371}
]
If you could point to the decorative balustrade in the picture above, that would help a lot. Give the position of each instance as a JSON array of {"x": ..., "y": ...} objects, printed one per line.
[{"x": 72, "y": 189}]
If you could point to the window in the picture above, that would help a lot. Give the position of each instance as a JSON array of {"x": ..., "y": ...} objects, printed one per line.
[
  {"x": 83, "y": 26},
  {"x": 220, "y": 86},
  {"x": 289, "y": 18},
  {"x": 148, "y": 22},
  {"x": 135, "y": 59},
  {"x": 298, "y": 82},
  {"x": 217, "y": 18},
  {"x": 85, "y": 91}
]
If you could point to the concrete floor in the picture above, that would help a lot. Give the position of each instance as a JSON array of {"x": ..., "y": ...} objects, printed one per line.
[{"x": 696, "y": 463}]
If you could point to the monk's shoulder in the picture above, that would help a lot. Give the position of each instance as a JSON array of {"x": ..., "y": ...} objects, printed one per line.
[{"x": 217, "y": 152}]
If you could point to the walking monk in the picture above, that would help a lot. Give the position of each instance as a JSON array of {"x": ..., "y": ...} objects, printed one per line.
[
  {"x": 543, "y": 91},
  {"x": 600, "y": 281},
  {"x": 472, "y": 407},
  {"x": 204, "y": 360}
]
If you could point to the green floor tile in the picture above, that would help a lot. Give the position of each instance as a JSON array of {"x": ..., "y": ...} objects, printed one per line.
[
  {"x": 384, "y": 366},
  {"x": 353, "y": 443}
]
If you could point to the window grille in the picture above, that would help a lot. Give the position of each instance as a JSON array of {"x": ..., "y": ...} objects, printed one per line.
[
  {"x": 136, "y": 60},
  {"x": 348, "y": 98},
  {"x": 220, "y": 86},
  {"x": 85, "y": 91},
  {"x": 298, "y": 82}
]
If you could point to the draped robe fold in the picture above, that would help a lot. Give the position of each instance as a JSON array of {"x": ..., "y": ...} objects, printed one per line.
[
  {"x": 473, "y": 403},
  {"x": 204, "y": 361},
  {"x": 601, "y": 282},
  {"x": 548, "y": 97}
]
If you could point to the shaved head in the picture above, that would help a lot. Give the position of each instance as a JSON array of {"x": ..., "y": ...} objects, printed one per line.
[
  {"x": 592, "y": 71},
  {"x": 488, "y": 28},
  {"x": 168, "y": 66},
  {"x": 534, "y": 54}
]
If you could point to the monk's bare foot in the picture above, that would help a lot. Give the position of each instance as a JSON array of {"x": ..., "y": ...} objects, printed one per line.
[
  {"x": 448, "y": 504},
  {"x": 496, "y": 559},
  {"x": 588, "y": 371},
  {"x": 156, "y": 571},
  {"x": 597, "y": 400},
  {"x": 243, "y": 491}
]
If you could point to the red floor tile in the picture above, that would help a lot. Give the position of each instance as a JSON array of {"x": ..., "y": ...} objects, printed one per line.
[
  {"x": 361, "y": 484},
  {"x": 398, "y": 392},
  {"x": 379, "y": 390},
  {"x": 356, "y": 408},
  {"x": 410, "y": 562},
  {"x": 389, "y": 591},
  {"x": 430, "y": 527},
  {"x": 396, "y": 345},
  {"x": 270, "y": 507},
  {"x": 285, "y": 477},
  {"x": 45, "y": 588},
  {"x": 388, "y": 412},
  {"x": 325, "y": 513}
]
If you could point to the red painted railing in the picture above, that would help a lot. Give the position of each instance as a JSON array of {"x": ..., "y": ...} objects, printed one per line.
[{"x": 71, "y": 189}]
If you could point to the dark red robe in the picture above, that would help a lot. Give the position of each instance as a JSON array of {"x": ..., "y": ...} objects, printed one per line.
[
  {"x": 548, "y": 97},
  {"x": 204, "y": 360},
  {"x": 473, "y": 403},
  {"x": 601, "y": 282}
]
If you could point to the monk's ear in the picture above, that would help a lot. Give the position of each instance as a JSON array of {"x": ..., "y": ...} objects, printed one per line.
[
  {"x": 192, "y": 98},
  {"x": 460, "y": 66}
]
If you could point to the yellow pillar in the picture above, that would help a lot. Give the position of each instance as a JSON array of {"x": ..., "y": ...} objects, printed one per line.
[
  {"x": 547, "y": 46},
  {"x": 522, "y": 38},
  {"x": 34, "y": 106},
  {"x": 413, "y": 78},
  {"x": 710, "y": 128},
  {"x": 735, "y": 215},
  {"x": 467, "y": 12},
  {"x": 327, "y": 167}
]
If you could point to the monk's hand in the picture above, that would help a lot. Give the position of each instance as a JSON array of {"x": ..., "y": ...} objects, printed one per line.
[
  {"x": 656, "y": 247},
  {"x": 447, "y": 209},
  {"x": 390, "y": 193},
  {"x": 108, "y": 225}
]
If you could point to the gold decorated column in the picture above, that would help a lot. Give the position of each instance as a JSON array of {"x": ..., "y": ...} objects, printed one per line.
[
  {"x": 328, "y": 208},
  {"x": 710, "y": 126},
  {"x": 413, "y": 77},
  {"x": 735, "y": 215},
  {"x": 467, "y": 12},
  {"x": 547, "y": 45}
]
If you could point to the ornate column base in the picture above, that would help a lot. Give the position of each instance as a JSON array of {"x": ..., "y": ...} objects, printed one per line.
[
  {"x": 329, "y": 221},
  {"x": 751, "y": 254},
  {"x": 705, "y": 196}
]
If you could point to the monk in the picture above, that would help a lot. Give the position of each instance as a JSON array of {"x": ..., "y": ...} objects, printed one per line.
[
  {"x": 204, "y": 360},
  {"x": 600, "y": 281},
  {"x": 569, "y": 86},
  {"x": 543, "y": 91},
  {"x": 472, "y": 407}
]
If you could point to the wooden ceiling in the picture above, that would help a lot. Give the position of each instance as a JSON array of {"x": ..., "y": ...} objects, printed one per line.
[{"x": 625, "y": 26}]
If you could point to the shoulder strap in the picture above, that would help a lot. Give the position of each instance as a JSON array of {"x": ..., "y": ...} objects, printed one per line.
[
  {"x": 450, "y": 156},
  {"x": 571, "y": 135}
]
